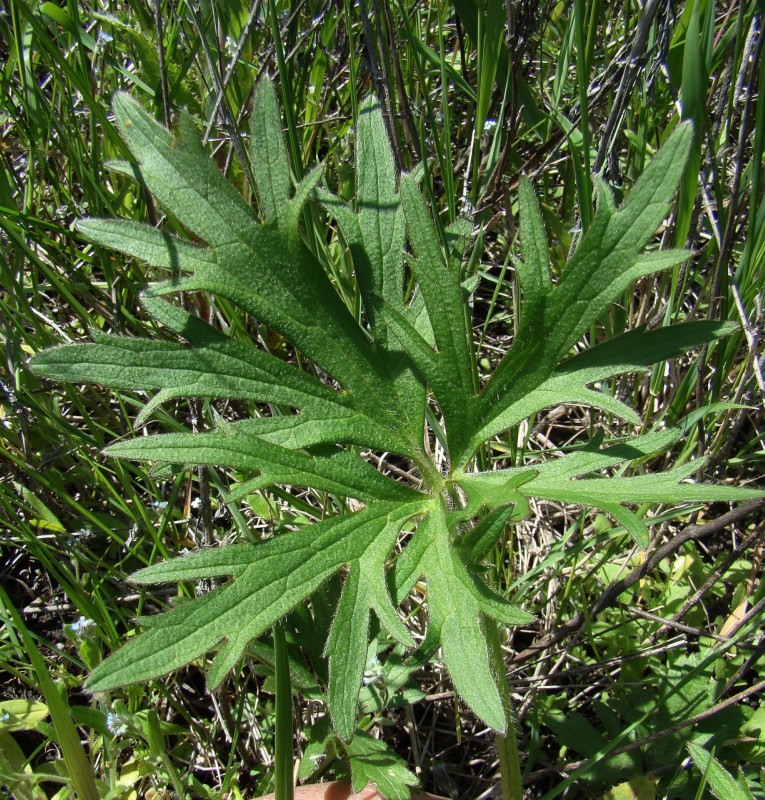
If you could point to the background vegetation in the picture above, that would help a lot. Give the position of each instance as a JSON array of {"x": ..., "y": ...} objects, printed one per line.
[{"x": 633, "y": 657}]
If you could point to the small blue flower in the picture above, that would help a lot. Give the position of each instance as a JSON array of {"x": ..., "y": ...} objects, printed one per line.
[{"x": 82, "y": 627}]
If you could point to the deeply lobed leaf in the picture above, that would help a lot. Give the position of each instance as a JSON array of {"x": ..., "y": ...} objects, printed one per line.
[
  {"x": 377, "y": 378},
  {"x": 269, "y": 579},
  {"x": 607, "y": 261},
  {"x": 561, "y": 481}
]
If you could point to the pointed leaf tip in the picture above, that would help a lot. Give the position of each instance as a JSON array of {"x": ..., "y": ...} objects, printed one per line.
[{"x": 125, "y": 108}]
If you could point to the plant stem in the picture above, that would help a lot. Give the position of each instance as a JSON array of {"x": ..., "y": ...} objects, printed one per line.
[
  {"x": 509, "y": 764},
  {"x": 507, "y": 743},
  {"x": 283, "y": 753}
]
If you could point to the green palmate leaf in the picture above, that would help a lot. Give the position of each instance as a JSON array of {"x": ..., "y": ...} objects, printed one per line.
[
  {"x": 270, "y": 164},
  {"x": 458, "y": 602},
  {"x": 330, "y": 426},
  {"x": 607, "y": 261},
  {"x": 633, "y": 351},
  {"x": 419, "y": 350},
  {"x": 374, "y": 231},
  {"x": 220, "y": 368},
  {"x": 217, "y": 367},
  {"x": 374, "y": 372},
  {"x": 378, "y": 210},
  {"x": 158, "y": 248},
  {"x": 439, "y": 278},
  {"x": 269, "y": 579},
  {"x": 484, "y": 536},
  {"x": 266, "y": 270},
  {"x": 560, "y": 480},
  {"x": 534, "y": 270},
  {"x": 365, "y": 590}
]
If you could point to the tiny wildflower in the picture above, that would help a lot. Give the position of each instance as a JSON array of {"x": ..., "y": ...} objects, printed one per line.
[
  {"x": 158, "y": 505},
  {"x": 489, "y": 125},
  {"x": 374, "y": 672},
  {"x": 116, "y": 725},
  {"x": 82, "y": 627}
]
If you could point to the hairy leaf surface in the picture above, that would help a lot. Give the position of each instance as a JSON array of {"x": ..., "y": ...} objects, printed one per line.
[{"x": 349, "y": 397}]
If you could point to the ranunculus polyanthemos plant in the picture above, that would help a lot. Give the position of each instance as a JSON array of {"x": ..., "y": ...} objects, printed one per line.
[{"x": 384, "y": 379}]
